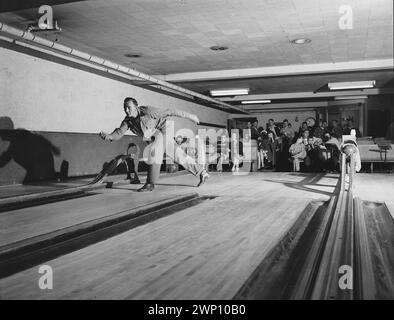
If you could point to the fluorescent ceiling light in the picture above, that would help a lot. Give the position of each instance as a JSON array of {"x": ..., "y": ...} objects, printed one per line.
[
  {"x": 255, "y": 101},
  {"x": 301, "y": 41},
  {"x": 350, "y": 97},
  {"x": 351, "y": 85},
  {"x": 230, "y": 92}
]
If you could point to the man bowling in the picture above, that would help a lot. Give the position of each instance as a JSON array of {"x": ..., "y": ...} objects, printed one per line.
[{"x": 150, "y": 123}]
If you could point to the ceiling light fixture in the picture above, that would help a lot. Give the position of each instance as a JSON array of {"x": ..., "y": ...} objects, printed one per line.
[
  {"x": 350, "y": 97},
  {"x": 351, "y": 85},
  {"x": 255, "y": 101},
  {"x": 218, "y": 48},
  {"x": 301, "y": 41},
  {"x": 132, "y": 55},
  {"x": 229, "y": 92}
]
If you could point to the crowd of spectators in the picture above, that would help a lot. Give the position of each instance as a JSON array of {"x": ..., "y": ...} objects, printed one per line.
[
  {"x": 279, "y": 147},
  {"x": 317, "y": 147}
]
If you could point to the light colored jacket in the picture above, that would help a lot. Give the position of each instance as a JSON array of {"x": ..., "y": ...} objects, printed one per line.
[
  {"x": 288, "y": 132},
  {"x": 298, "y": 150},
  {"x": 150, "y": 120}
]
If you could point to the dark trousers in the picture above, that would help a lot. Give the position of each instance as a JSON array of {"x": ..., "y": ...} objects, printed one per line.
[{"x": 132, "y": 167}]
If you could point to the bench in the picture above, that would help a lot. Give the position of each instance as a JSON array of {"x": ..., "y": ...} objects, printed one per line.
[{"x": 381, "y": 151}]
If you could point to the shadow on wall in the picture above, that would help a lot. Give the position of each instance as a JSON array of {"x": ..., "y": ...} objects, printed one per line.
[{"x": 31, "y": 151}]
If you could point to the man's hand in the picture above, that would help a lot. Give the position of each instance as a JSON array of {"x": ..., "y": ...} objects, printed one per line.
[
  {"x": 148, "y": 134},
  {"x": 103, "y": 135},
  {"x": 194, "y": 118}
]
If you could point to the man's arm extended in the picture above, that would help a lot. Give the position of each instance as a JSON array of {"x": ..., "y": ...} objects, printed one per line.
[
  {"x": 116, "y": 134},
  {"x": 179, "y": 114}
]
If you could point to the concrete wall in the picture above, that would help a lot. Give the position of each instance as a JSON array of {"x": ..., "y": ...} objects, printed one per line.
[
  {"x": 29, "y": 156},
  {"x": 68, "y": 106},
  {"x": 45, "y": 96}
]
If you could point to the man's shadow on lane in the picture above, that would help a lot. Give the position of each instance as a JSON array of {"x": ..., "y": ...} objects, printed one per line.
[{"x": 309, "y": 183}]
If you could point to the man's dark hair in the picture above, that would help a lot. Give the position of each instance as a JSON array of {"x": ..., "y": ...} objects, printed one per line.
[
  {"x": 132, "y": 144},
  {"x": 271, "y": 120},
  {"x": 131, "y": 99},
  {"x": 286, "y": 120}
]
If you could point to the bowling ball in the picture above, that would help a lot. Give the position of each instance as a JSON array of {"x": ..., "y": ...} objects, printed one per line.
[{"x": 349, "y": 150}]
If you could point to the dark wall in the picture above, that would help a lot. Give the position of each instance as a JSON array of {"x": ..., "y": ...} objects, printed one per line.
[
  {"x": 27, "y": 156},
  {"x": 380, "y": 116}
]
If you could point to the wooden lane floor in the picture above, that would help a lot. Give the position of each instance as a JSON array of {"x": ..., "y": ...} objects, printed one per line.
[
  {"x": 375, "y": 187},
  {"x": 17, "y": 225},
  {"x": 374, "y": 217},
  {"x": 204, "y": 252},
  {"x": 20, "y": 224},
  {"x": 16, "y": 190}
]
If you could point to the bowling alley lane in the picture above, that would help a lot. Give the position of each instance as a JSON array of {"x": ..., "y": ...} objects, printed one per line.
[{"x": 203, "y": 252}]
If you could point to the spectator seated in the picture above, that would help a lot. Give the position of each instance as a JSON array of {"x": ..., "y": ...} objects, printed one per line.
[{"x": 297, "y": 154}]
